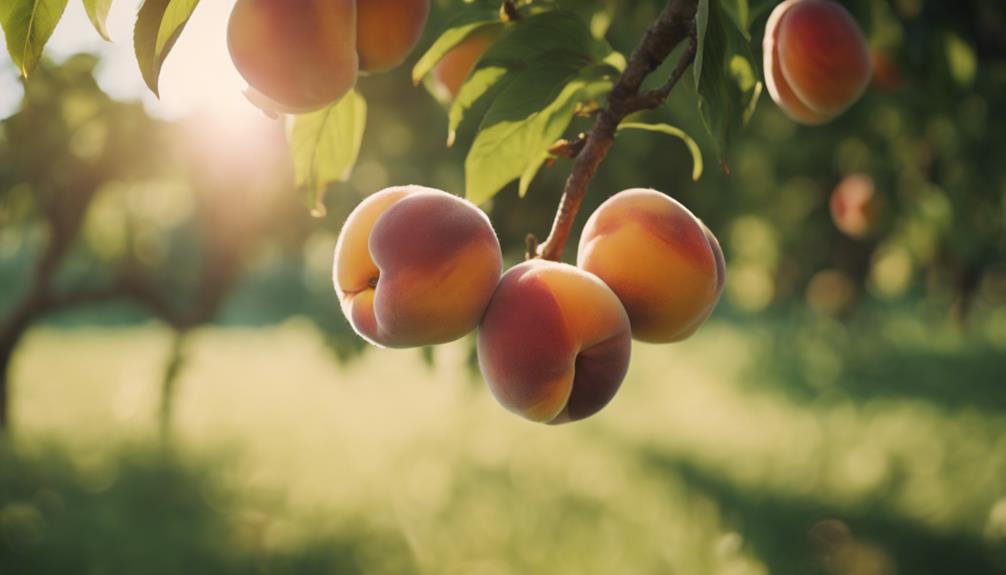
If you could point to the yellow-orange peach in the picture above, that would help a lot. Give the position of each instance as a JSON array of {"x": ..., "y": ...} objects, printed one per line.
[
  {"x": 816, "y": 60},
  {"x": 554, "y": 344},
  {"x": 300, "y": 54},
  {"x": 854, "y": 206},
  {"x": 387, "y": 30},
  {"x": 453, "y": 69},
  {"x": 655, "y": 255},
  {"x": 415, "y": 266},
  {"x": 721, "y": 278}
]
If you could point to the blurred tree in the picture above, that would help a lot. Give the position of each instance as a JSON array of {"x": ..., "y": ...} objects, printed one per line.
[{"x": 134, "y": 202}]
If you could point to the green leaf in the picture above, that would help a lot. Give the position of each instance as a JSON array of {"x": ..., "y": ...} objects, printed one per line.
[
  {"x": 325, "y": 145},
  {"x": 158, "y": 26},
  {"x": 677, "y": 133},
  {"x": 727, "y": 77},
  {"x": 538, "y": 37},
  {"x": 97, "y": 11},
  {"x": 527, "y": 117},
  {"x": 28, "y": 24},
  {"x": 740, "y": 13},
  {"x": 477, "y": 92},
  {"x": 448, "y": 40}
]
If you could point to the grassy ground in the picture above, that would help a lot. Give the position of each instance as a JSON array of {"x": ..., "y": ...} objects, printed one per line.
[{"x": 765, "y": 448}]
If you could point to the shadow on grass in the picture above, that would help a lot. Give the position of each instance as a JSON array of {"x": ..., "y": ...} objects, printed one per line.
[
  {"x": 796, "y": 536},
  {"x": 152, "y": 513},
  {"x": 863, "y": 364}
]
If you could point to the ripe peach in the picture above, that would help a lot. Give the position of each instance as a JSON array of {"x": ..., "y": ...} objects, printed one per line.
[
  {"x": 721, "y": 278},
  {"x": 300, "y": 54},
  {"x": 816, "y": 59},
  {"x": 454, "y": 68},
  {"x": 854, "y": 206},
  {"x": 657, "y": 257},
  {"x": 271, "y": 107},
  {"x": 415, "y": 266},
  {"x": 387, "y": 30},
  {"x": 554, "y": 344}
]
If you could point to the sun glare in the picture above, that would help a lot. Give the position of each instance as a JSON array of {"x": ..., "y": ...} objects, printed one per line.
[{"x": 198, "y": 79}]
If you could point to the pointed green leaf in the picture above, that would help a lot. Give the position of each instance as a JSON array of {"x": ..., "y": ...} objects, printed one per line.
[
  {"x": 28, "y": 24},
  {"x": 727, "y": 77},
  {"x": 531, "y": 40},
  {"x": 677, "y": 133},
  {"x": 158, "y": 26},
  {"x": 97, "y": 11},
  {"x": 481, "y": 87},
  {"x": 325, "y": 145},
  {"x": 528, "y": 116}
]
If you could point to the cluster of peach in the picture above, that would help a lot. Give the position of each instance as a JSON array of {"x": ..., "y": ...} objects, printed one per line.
[
  {"x": 417, "y": 266},
  {"x": 299, "y": 56}
]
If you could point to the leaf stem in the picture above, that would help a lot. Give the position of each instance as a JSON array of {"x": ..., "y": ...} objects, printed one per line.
[{"x": 675, "y": 24}]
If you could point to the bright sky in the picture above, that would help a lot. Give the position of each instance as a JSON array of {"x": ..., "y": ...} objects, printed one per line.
[{"x": 197, "y": 77}]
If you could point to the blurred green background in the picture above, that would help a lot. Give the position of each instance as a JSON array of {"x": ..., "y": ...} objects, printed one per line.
[{"x": 184, "y": 396}]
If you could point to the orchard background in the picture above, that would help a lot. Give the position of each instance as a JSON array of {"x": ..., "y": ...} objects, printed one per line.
[{"x": 181, "y": 392}]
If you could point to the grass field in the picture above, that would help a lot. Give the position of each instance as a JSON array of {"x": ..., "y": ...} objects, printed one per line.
[{"x": 760, "y": 448}]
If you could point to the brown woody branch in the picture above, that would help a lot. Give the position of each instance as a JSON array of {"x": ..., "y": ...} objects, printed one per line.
[{"x": 675, "y": 24}]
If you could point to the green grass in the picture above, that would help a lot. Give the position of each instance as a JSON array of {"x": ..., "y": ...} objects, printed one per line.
[{"x": 720, "y": 455}]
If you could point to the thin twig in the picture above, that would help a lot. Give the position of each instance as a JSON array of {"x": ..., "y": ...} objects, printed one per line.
[{"x": 675, "y": 24}]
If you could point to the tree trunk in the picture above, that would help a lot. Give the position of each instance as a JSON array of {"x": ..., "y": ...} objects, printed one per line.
[
  {"x": 169, "y": 385},
  {"x": 11, "y": 333}
]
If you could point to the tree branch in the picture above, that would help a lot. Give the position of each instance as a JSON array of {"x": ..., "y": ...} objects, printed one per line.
[{"x": 675, "y": 24}]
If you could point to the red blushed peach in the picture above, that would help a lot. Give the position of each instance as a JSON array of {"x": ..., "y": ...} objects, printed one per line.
[
  {"x": 300, "y": 54},
  {"x": 387, "y": 30},
  {"x": 854, "y": 206},
  {"x": 454, "y": 68},
  {"x": 816, "y": 60},
  {"x": 554, "y": 344},
  {"x": 415, "y": 266},
  {"x": 655, "y": 255}
]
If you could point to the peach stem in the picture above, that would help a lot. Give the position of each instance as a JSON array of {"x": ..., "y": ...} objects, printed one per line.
[{"x": 675, "y": 23}]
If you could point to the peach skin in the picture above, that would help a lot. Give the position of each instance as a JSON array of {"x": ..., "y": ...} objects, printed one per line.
[
  {"x": 387, "y": 30},
  {"x": 816, "y": 59},
  {"x": 415, "y": 266},
  {"x": 554, "y": 344},
  {"x": 655, "y": 255},
  {"x": 300, "y": 54}
]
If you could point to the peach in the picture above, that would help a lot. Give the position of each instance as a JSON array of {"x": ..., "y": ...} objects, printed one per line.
[
  {"x": 854, "y": 206},
  {"x": 415, "y": 266},
  {"x": 300, "y": 54},
  {"x": 457, "y": 64},
  {"x": 387, "y": 30},
  {"x": 661, "y": 261},
  {"x": 554, "y": 344},
  {"x": 816, "y": 60},
  {"x": 721, "y": 278}
]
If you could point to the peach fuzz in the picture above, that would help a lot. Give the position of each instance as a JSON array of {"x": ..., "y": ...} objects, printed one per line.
[
  {"x": 301, "y": 54},
  {"x": 387, "y": 30},
  {"x": 655, "y": 255},
  {"x": 415, "y": 266},
  {"x": 816, "y": 59},
  {"x": 554, "y": 344}
]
